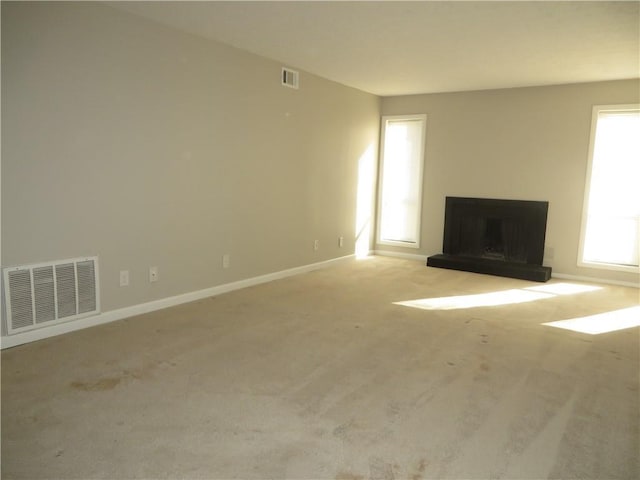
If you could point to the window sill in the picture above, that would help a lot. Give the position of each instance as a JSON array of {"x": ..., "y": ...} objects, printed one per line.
[
  {"x": 610, "y": 266},
  {"x": 396, "y": 243}
]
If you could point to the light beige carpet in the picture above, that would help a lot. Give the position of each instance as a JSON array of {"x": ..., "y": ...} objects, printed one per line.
[{"x": 324, "y": 376}]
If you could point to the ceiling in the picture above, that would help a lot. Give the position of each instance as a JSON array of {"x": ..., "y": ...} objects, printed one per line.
[{"x": 395, "y": 48}]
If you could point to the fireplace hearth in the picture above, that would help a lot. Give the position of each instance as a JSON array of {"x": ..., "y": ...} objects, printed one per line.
[{"x": 494, "y": 236}]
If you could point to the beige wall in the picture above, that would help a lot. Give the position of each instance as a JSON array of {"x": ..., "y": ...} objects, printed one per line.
[
  {"x": 521, "y": 143},
  {"x": 146, "y": 146}
]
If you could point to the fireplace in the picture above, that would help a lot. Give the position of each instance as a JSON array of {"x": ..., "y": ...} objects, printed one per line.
[{"x": 497, "y": 237}]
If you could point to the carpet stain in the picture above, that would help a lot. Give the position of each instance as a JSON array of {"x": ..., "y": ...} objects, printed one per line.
[
  {"x": 110, "y": 383},
  {"x": 101, "y": 385},
  {"x": 342, "y": 430},
  {"x": 422, "y": 467},
  {"x": 484, "y": 367}
]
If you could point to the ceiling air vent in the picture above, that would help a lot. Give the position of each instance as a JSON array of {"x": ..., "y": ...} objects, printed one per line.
[
  {"x": 49, "y": 293},
  {"x": 290, "y": 78}
]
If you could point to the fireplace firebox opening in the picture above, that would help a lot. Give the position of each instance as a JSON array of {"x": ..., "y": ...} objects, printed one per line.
[
  {"x": 493, "y": 243},
  {"x": 494, "y": 236}
]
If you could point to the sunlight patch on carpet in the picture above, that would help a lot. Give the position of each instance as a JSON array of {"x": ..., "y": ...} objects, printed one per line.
[
  {"x": 602, "y": 322},
  {"x": 492, "y": 299},
  {"x": 504, "y": 297}
]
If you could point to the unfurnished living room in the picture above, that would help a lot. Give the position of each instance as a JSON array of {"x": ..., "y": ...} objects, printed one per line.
[{"x": 320, "y": 240}]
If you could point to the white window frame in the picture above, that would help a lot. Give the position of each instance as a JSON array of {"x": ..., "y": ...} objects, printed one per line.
[
  {"x": 587, "y": 190},
  {"x": 385, "y": 119}
]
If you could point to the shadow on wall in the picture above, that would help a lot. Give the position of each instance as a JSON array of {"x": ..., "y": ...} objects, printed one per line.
[{"x": 365, "y": 201}]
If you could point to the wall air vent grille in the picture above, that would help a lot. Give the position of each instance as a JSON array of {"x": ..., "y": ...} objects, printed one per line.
[
  {"x": 290, "y": 78},
  {"x": 49, "y": 293}
]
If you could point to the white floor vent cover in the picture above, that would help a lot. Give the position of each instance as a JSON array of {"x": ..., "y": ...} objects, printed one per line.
[{"x": 48, "y": 293}]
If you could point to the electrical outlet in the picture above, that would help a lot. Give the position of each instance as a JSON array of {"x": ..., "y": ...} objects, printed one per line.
[
  {"x": 340, "y": 242},
  {"x": 316, "y": 245},
  {"x": 124, "y": 278},
  {"x": 226, "y": 260},
  {"x": 153, "y": 274}
]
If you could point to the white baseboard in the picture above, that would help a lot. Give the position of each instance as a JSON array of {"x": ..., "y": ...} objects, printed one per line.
[
  {"x": 407, "y": 256},
  {"x": 580, "y": 278},
  {"x": 113, "y": 315}
]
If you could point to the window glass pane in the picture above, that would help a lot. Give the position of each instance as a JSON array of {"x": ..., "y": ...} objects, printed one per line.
[
  {"x": 616, "y": 165},
  {"x": 613, "y": 211},
  {"x": 401, "y": 180},
  {"x": 611, "y": 240}
]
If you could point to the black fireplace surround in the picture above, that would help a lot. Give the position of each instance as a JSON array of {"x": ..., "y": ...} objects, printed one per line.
[{"x": 497, "y": 237}]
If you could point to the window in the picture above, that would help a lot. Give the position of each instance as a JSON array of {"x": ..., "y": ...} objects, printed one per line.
[
  {"x": 401, "y": 180},
  {"x": 611, "y": 220}
]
